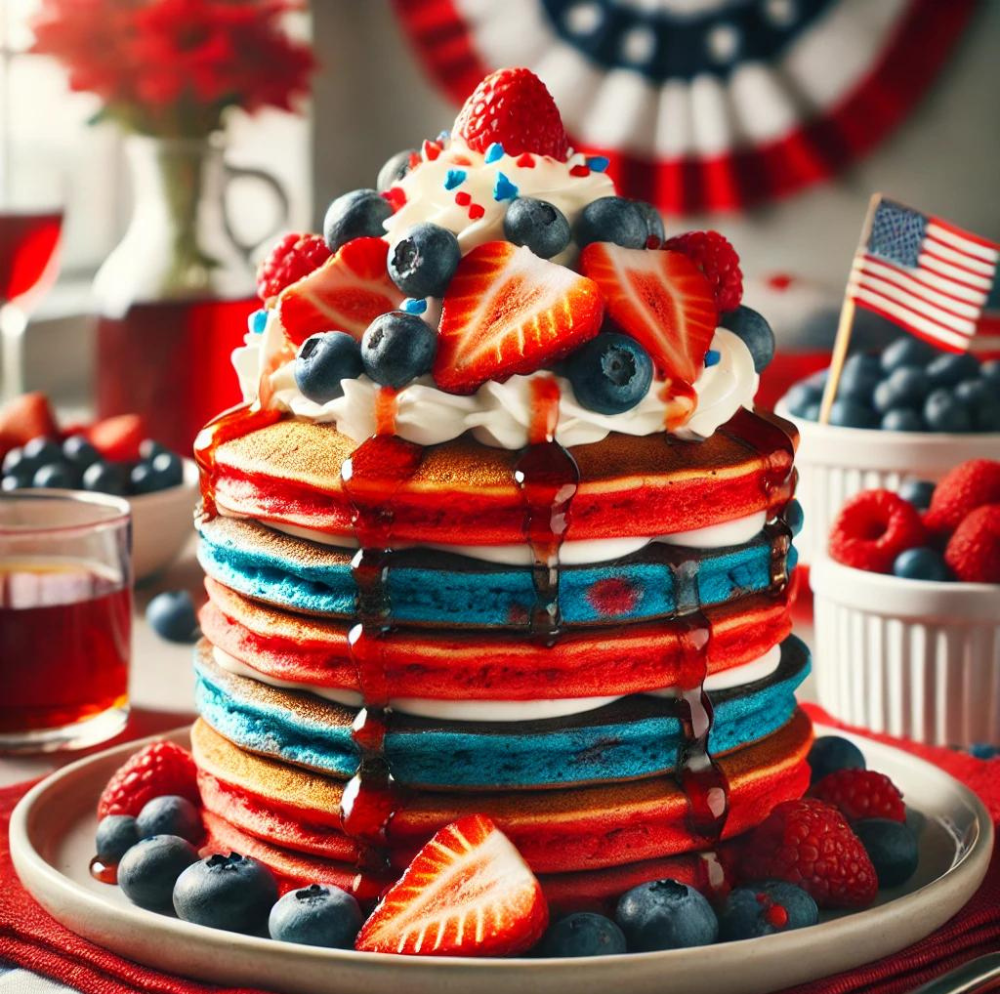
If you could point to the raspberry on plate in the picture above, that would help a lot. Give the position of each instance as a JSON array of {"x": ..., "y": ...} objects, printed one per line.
[
  {"x": 873, "y": 528},
  {"x": 292, "y": 257},
  {"x": 861, "y": 794},
  {"x": 968, "y": 486},
  {"x": 158, "y": 769},
  {"x": 808, "y": 843},
  {"x": 715, "y": 256},
  {"x": 973, "y": 552}
]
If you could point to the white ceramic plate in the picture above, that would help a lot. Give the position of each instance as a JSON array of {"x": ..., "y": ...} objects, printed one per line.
[
  {"x": 162, "y": 522},
  {"x": 52, "y": 832}
]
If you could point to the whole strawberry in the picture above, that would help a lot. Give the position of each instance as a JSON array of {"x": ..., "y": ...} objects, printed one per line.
[
  {"x": 858, "y": 794},
  {"x": 968, "y": 486},
  {"x": 292, "y": 257},
  {"x": 808, "y": 843},
  {"x": 715, "y": 256},
  {"x": 973, "y": 552},
  {"x": 158, "y": 769},
  {"x": 873, "y": 528},
  {"x": 513, "y": 108}
]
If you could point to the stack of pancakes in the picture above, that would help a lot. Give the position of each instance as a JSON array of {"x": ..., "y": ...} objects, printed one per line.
[{"x": 675, "y": 570}]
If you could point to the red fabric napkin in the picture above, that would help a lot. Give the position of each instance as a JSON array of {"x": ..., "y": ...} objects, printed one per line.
[{"x": 30, "y": 938}]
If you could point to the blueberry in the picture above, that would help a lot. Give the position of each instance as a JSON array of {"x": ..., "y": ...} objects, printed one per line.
[
  {"x": 794, "y": 517},
  {"x": 982, "y": 398},
  {"x": 172, "y": 616},
  {"x": 55, "y": 475},
  {"x": 14, "y": 481},
  {"x": 949, "y": 369},
  {"x": 665, "y": 914},
  {"x": 611, "y": 219},
  {"x": 907, "y": 351},
  {"x": 583, "y": 934},
  {"x": 78, "y": 452},
  {"x": 394, "y": 169},
  {"x": 986, "y": 415},
  {"x": 42, "y": 450},
  {"x": 354, "y": 215},
  {"x": 106, "y": 478},
  {"x": 611, "y": 373},
  {"x": 817, "y": 380},
  {"x": 800, "y": 396},
  {"x": 318, "y": 915},
  {"x": 801, "y": 908},
  {"x": 830, "y": 753},
  {"x": 653, "y": 219},
  {"x": 140, "y": 479},
  {"x": 990, "y": 371},
  {"x": 902, "y": 419},
  {"x": 859, "y": 378},
  {"x": 906, "y": 386},
  {"x": 170, "y": 815},
  {"x": 116, "y": 834},
  {"x": 148, "y": 871},
  {"x": 917, "y": 492},
  {"x": 755, "y": 332},
  {"x": 424, "y": 260},
  {"x": 852, "y": 414},
  {"x": 892, "y": 848},
  {"x": 397, "y": 347},
  {"x": 149, "y": 448},
  {"x": 539, "y": 225},
  {"x": 750, "y": 912},
  {"x": 974, "y": 391},
  {"x": 944, "y": 412},
  {"x": 232, "y": 892},
  {"x": 15, "y": 462},
  {"x": 921, "y": 564},
  {"x": 167, "y": 470},
  {"x": 324, "y": 362}
]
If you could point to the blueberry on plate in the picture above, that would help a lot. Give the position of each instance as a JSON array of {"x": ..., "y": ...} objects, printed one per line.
[
  {"x": 394, "y": 169},
  {"x": 832, "y": 752},
  {"x": 56, "y": 474},
  {"x": 847, "y": 413},
  {"x": 902, "y": 419},
  {"x": 665, "y": 914},
  {"x": 906, "y": 386},
  {"x": 892, "y": 848},
  {"x": 538, "y": 225},
  {"x": 355, "y": 215},
  {"x": 317, "y": 915},
  {"x": 324, "y": 362},
  {"x": 943, "y": 411},
  {"x": 755, "y": 333},
  {"x": 907, "y": 351},
  {"x": 233, "y": 892},
  {"x": 424, "y": 260},
  {"x": 78, "y": 452},
  {"x": 800, "y": 396},
  {"x": 750, "y": 912},
  {"x": 860, "y": 376},
  {"x": 611, "y": 219},
  {"x": 172, "y": 616},
  {"x": 170, "y": 815},
  {"x": 654, "y": 221},
  {"x": 106, "y": 478},
  {"x": 917, "y": 492},
  {"x": 582, "y": 934},
  {"x": 801, "y": 908},
  {"x": 397, "y": 347},
  {"x": 116, "y": 834},
  {"x": 951, "y": 368},
  {"x": 148, "y": 871},
  {"x": 922, "y": 563},
  {"x": 610, "y": 374}
]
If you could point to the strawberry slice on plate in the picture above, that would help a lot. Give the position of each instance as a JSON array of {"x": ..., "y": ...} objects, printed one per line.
[
  {"x": 468, "y": 892},
  {"x": 506, "y": 311},
  {"x": 661, "y": 299},
  {"x": 346, "y": 293}
]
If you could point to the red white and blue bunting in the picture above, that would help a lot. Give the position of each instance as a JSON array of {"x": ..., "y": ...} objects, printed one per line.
[{"x": 704, "y": 104}]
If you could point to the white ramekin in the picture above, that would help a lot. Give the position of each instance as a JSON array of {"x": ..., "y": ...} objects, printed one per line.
[
  {"x": 913, "y": 658},
  {"x": 836, "y": 463}
]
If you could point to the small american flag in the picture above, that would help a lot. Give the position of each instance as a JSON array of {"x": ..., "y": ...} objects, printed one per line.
[{"x": 935, "y": 280}]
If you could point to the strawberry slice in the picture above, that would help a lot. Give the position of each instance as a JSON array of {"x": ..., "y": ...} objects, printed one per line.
[
  {"x": 26, "y": 417},
  {"x": 506, "y": 311},
  {"x": 661, "y": 299},
  {"x": 468, "y": 892},
  {"x": 117, "y": 438},
  {"x": 346, "y": 293}
]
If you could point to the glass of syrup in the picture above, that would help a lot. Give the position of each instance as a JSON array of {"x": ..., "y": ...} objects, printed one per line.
[{"x": 65, "y": 618}]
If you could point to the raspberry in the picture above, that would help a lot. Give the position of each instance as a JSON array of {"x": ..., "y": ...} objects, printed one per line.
[
  {"x": 860, "y": 794},
  {"x": 292, "y": 257},
  {"x": 973, "y": 552},
  {"x": 808, "y": 843},
  {"x": 873, "y": 528},
  {"x": 159, "y": 769},
  {"x": 968, "y": 486},
  {"x": 513, "y": 107},
  {"x": 715, "y": 256}
]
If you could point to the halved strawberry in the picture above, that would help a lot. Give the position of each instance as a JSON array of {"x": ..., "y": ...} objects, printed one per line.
[
  {"x": 468, "y": 892},
  {"x": 506, "y": 311},
  {"x": 26, "y": 417},
  {"x": 661, "y": 299},
  {"x": 346, "y": 293},
  {"x": 117, "y": 438}
]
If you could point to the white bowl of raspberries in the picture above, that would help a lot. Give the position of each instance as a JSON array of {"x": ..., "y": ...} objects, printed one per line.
[
  {"x": 907, "y": 413},
  {"x": 907, "y": 609}
]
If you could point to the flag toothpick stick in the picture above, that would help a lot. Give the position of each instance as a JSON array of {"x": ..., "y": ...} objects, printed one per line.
[{"x": 841, "y": 346}]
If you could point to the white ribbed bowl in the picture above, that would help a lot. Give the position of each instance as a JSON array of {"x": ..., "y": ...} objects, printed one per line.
[
  {"x": 912, "y": 658},
  {"x": 836, "y": 463}
]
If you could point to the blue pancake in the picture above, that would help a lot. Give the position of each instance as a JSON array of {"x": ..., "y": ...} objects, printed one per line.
[
  {"x": 634, "y": 737},
  {"x": 438, "y": 588}
]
